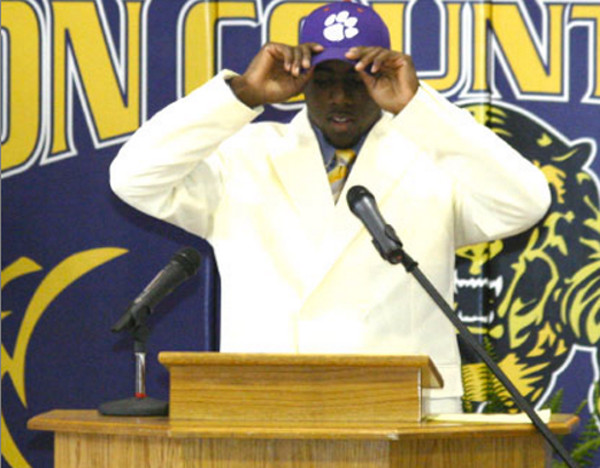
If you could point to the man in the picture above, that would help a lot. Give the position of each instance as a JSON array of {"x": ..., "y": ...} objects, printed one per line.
[{"x": 298, "y": 272}]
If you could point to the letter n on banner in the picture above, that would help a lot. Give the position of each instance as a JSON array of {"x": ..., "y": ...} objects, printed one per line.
[{"x": 108, "y": 83}]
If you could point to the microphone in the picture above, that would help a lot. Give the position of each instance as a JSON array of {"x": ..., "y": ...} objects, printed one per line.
[
  {"x": 362, "y": 204},
  {"x": 182, "y": 266}
]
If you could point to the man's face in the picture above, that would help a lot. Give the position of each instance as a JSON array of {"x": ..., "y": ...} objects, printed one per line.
[{"x": 338, "y": 103}]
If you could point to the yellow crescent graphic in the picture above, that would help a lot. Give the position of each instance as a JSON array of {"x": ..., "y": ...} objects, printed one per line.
[{"x": 56, "y": 281}]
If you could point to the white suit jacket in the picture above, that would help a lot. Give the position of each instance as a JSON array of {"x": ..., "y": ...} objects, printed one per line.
[{"x": 299, "y": 274}]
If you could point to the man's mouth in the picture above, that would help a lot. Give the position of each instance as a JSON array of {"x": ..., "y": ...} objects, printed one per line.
[{"x": 341, "y": 121}]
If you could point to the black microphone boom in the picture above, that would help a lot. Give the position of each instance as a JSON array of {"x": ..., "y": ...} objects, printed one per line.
[
  {"x": 182, "y": 266},
  {"x": 363, "y": 205}
]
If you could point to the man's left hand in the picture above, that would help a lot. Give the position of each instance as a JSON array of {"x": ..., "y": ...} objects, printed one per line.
[{"x": 392, "y": 79}]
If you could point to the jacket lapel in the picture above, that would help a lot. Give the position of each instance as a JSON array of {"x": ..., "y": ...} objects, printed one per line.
[
  {"x": 299, "y": 165},
  {"x": 380, "y": 165}
]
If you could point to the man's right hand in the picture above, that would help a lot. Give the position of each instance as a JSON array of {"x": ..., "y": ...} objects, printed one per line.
[{"x": 277, "y": 73}]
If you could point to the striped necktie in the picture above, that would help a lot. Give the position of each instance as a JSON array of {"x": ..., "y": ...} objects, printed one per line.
[{"x": 338, "y": 174}]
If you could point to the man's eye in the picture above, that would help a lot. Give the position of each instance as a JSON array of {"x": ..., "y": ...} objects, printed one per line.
[
  {"x": 322, "y": 82},
  {"x": 355, "y": 82}
]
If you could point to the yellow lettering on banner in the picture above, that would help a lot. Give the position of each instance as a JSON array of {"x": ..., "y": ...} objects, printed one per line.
[
  {"x": 112, "y": 101},
  {"x": 591, "y": 12},
  {"x": 452, "y": 47},
  {"x": 481, "y": 13},
  {"x": 531, "y": 72},
  {"x": 199, "y": 38},
  {"x": 285, "y": 19},
  {"x": 393, "y": 16},
  {"x": 23, "y": 36}
]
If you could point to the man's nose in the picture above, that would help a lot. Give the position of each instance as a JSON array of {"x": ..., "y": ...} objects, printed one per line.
[{"x": 340, "y": 93}]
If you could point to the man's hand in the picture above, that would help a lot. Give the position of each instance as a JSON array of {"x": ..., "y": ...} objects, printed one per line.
[
  {"x": 392, "y": 81},
  {"x": 277, "y": 73}
]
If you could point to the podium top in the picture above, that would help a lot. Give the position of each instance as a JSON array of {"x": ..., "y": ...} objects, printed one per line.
[{"x": 430, "y": 377}]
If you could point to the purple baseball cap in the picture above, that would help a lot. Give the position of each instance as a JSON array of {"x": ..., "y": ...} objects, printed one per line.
[{"x": 341, "y": 25}]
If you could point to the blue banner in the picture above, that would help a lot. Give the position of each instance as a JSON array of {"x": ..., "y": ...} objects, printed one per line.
[{"x": 80, "y": 76}]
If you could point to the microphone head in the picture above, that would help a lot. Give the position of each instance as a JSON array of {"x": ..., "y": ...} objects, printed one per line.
[
  {"x": 356, "y": 194},
  {"x": 189, "y": 259}
]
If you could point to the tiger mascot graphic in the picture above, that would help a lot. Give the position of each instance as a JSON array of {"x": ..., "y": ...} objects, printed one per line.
[{"x": 534, "y": 298}]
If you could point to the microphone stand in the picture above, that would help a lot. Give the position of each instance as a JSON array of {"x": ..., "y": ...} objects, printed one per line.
[
  {"x": 140, "y": 404},
  {"x": 400, "y": 256}
]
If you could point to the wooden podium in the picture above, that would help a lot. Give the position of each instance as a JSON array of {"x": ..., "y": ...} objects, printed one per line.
[{"x": 260, "y": 410}]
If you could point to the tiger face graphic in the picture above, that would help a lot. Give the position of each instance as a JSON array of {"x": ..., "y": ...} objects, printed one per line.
[{"x": 535, "y": 295}]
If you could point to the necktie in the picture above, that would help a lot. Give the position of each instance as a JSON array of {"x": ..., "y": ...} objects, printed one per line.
[{"x": 337, "y": 175}]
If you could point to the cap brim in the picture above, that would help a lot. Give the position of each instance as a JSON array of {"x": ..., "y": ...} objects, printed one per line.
[{"x": 331, "y": 53}]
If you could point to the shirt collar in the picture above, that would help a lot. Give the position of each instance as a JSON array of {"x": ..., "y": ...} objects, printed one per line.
[{"x": 328, "y": 150}]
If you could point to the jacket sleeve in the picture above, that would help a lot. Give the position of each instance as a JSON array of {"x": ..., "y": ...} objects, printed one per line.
[
  {"x": 170, "y": 168},
  {"x": 497, "y": 192}
]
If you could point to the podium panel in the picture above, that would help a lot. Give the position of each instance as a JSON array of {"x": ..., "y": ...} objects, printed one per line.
[
  {"x": 251, "y": 410},
  {"x": 85, "y": 438},
  {"x": 294, "y": 388}
]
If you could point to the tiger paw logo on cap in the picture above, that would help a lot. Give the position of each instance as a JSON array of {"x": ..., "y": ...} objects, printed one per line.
[{"x": 340, "y": 26}]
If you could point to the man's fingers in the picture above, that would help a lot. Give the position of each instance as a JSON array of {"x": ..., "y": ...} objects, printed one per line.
[
  {"x": 281, "y": 53},
  {"x": 368, "y": 80},
  {"x": 385, "y": 58},
  {"x": 367, "y": 57},
  {"x": 375, "y": 57},
  {"x": 307, "y": 51},
  {"x": 295, "y": 59},
  {"x": 389, "y": 76}
]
